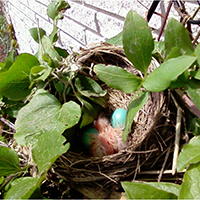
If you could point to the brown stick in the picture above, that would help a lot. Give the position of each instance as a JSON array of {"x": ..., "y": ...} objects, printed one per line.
[
  {"x": 165, "y": 20},
  {"x": 188, "y": 103}
]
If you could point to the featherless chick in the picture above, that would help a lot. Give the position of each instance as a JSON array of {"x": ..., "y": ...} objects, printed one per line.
[{"x": 108, "y": 140}]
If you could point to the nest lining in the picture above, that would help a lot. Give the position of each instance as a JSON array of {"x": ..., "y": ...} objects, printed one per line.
[{"x": 150, "y": 136}]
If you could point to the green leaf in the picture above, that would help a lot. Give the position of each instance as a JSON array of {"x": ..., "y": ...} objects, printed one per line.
[
  {"x": 116, "y": 40},
  {"x": 8, "y": 61},
  {"x": 59, "y": 86},
  {"x": 13, "y": 107},
  {"x": 87, "y": 118},
  {"x": 9, "y": 161},
  {"x": 88, "y": 87},
  {"x": 14, "y": 83},
  {"x": 102, "y": 101},
  {"x": 197, "y": 53},
  {"x": 22, "y": 188},
  {"x": 181, "y": 81},
  {"x": 53, "y": 63},
  {"x": 192, "y": 88},
  {"x": 159, "y": 50},
  {"x": 2, "y": 179},
  {"x": 12, "y": 56},
  {"x": 176, "y": 52},
  {"x": 47, "y": 149},
  {"x": 6, "y": 65},
  {"x": 145, "y": 191},
  {"x": 56, "y": 9},
  {"x": 61, "y": 52},
  {"x": 2, "y": 67},
  {"x": 196, "y": 74},
  {"x": 136, "y": 103},
  {"x": 35, "y": 35},
  {"x": 194, "y": 126},
  {"x": 167, "y": 187},
  {"x": 49, "y": 49},
  {"x": 190, "y": 186},
  {"x": 176, "y": 35},
  {"x": 118, "y": 78},
  {"x": 37, "y": 70},
  {"x": 40, "y": 73},
  {"x": 37, "y": 194},
  {"x": 189, "y": 154},
  {"x": 161, "y": 77},
  {"x": 89, "y": 109},
  {"x": 42, "y": 114},
  {"x": 54, "y": 35},
  {"x": 137, "y": 41}
]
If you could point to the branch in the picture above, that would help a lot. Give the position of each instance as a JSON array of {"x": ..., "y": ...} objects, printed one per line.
[
  {"x": 188, "y": 103},
  {"x": 8, "y": 123}
]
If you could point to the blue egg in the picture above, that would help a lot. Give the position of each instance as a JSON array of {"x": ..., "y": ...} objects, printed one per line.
[
  {"x": 87, "y": 136},
  {"x": 118, "y": 118}
]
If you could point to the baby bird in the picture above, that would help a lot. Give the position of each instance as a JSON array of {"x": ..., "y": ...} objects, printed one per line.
[{"x": 108, "y": 140}]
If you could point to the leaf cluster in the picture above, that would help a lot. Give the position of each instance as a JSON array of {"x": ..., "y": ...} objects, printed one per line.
[
  {"x": 176, "y": 59},
  {"x": 43, "y": 95},
  {"x": 178, "y": 67}
]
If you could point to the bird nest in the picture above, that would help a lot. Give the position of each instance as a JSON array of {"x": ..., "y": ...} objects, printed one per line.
[{"x": 152, "y": 134}]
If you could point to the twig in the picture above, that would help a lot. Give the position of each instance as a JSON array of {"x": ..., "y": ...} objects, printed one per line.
[
  {"x": 165, "y": 20},
  {"x": 30, "y": 95},
  {"x": 188, "y": 103},
  {"x": 8, "y": 123},
  {"x": 140, "y": 152},
  {"x": 2, "y": 144},
  {"x": 196, "y": 38},
  {"x": 137, "y": 167},
  {"x": 169, "y": 171},
  {"x": 129, "y": 174},
  {"x": 148, "y": 9},
  {"x": 108, "y": 177},
  {"x": 8, "y": 179},
  {"x": 182, "y": 12},
  {"x": 158, "y": 157},
  {"x": 8, "y": 132},
  {"x": 195, "y": 13},
  {"x": 164, "y": 163},
  {"x": 160, "y": 144},
  {"x": 177, "y": 140}
]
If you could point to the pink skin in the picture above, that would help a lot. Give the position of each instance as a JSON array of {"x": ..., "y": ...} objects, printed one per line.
[
  {"x": 101, "y": 147},
  {"x": 101, "y": 123},
  {"x": 109, "y": 139}
]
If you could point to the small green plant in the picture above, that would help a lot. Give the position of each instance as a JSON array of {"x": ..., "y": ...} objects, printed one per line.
[
  {"x": 178, "y": 67},
  {"x": 44, "y": 95}
]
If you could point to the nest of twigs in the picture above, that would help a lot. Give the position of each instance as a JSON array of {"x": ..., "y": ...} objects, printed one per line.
[{"x": 151, "y": 136}]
